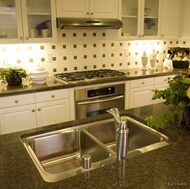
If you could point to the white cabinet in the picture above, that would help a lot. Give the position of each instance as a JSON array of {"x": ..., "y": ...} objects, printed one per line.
[
  {"x": 185, "y": 33},
  {"x": 17, "y": 113},
  {"x": 170, "y": 21},
  {"x": 52, "y": 107},
  {"x": 20, "y": 112},
  {"x": 141, "y": 19},
  {"x": 140, "y": 92},
  {"x": 87, "y": 8},
  {"x": 27, "y": 21}
]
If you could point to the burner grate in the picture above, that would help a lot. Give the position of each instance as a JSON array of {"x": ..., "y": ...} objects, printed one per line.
[{"x": 91, "y": 74}]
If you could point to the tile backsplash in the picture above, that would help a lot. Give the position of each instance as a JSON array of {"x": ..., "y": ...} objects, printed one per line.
[{"x": 78, "y": 50}]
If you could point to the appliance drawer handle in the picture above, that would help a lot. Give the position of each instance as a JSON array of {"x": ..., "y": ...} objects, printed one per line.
[{"x": 100, "y": 100}]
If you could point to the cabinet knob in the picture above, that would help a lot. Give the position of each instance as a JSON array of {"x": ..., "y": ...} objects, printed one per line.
[
  {"x": 52, "y": 96},
  {"x": 39, "y": 109},
  {"x": 27, "y": 37},
  {"x": 162, "y": 35},
  {"x": 16, "y": 101},
  {"x": 92, "y": 13},
  {"x": 21, "y": 38},
  {"x": 139, "y": 35},
  {"x": 142, "y": 35},
  {"x": 142, "y": 83},
  {"x": 87, "y": 13},
  {"x": 33, "y": 110}
]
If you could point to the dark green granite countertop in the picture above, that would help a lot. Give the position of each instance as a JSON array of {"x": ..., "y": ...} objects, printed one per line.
[
  {"x": 167, "y": 167},
  {"x": 52, "y": 84}
]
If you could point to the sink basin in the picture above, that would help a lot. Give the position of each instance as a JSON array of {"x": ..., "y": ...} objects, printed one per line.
[
  {"x": 58, "y": 155},
  {"x": 141, "y": 137}
]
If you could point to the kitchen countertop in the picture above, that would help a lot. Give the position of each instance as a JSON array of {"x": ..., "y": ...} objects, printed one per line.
[
  {"x": 167, "y": 167},
  {"x": 52, "y": 84}
]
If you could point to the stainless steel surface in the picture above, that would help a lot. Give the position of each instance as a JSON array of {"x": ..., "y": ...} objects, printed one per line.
[
  {"x": 88, "y": 75},
  {"x": 88, "y": 23},
  {"x": 98, "y": 103},
  {"x": 122, "y": 141},
  {"x": 58, "y": 155},
  {"x": 122, "y": 136},
  {"x": 86, "y": 161},
  {"x": 141, "y": 137}
]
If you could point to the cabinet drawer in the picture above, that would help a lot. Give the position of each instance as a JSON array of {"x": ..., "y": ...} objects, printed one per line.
[
  {"x": 141, "y": 83},
  {"x": 51, "y": 95},
  {"x": 161, "y": 80},
  {"x": 16, "y": 100}
]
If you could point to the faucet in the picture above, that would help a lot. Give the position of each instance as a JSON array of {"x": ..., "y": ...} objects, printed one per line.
[{"x": 122, "y": 140}]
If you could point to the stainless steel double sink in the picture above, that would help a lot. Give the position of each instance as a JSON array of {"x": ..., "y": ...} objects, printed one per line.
[{"x": 58, "y": 154}]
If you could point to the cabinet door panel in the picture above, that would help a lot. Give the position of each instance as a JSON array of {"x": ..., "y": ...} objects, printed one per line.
[
  {"x": 170, "y": 19},
  {"x": 39, "y": 20},
  {"x": 17, "y": 119},
  {"x": 53, "y": 112},
  {"x": 10, "y": 22},
  {"x": 103, "y": 8},
  {"x": 140, "y": 96},
  {"x": 72, "y": 8}
]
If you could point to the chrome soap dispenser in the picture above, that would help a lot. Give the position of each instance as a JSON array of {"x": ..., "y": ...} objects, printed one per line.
[{"x": 122, "y": 139}]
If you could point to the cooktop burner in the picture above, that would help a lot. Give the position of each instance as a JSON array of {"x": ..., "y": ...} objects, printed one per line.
[{"x": 91, "y": 74}]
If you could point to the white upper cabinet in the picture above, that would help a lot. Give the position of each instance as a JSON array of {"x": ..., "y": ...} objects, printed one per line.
[
  {"x": 141, "y": 19},
  {"x": 27, "y": 21},
  {"x": 87, "y": 8},
  {"x": 170, "y": 19},
  {"x": 185, "y": 32}
]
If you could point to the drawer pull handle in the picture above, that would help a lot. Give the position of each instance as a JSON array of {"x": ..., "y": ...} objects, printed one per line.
[
  {"x": 52, "y": 96},
  {"x": 16, "y": 101}
]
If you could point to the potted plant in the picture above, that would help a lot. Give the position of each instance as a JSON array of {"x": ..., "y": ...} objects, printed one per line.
[
  {"x": 13, "y": 75},
  {"x": 177, "y": 97}
]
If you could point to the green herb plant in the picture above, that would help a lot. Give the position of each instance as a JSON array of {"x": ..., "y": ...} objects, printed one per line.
[
  {"x": 175, "y": 96},
  {"x": 14, "y": 74}
]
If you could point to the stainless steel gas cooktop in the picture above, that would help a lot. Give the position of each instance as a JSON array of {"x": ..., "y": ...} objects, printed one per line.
[{"x": 91, "y": 74}]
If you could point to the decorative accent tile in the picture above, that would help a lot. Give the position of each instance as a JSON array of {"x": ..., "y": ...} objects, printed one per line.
[
  {"x": 42, "y": 59},
  {"x": 41, "y": 47},
  {"x": 64, "y": 35},
  {"x": 18, "y": 61},
  {"x": 31, "y": 60}
]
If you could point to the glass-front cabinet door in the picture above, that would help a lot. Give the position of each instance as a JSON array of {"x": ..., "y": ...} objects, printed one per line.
[
  {"x": 27, "y": 21},
  {"x": 9, "y": 20},
  {"x": 140, "y": 18},
  {"x": 39, "y": 19}
]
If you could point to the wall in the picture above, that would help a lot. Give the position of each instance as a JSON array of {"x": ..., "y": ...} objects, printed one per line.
[{"x": 78, "y": 50}]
